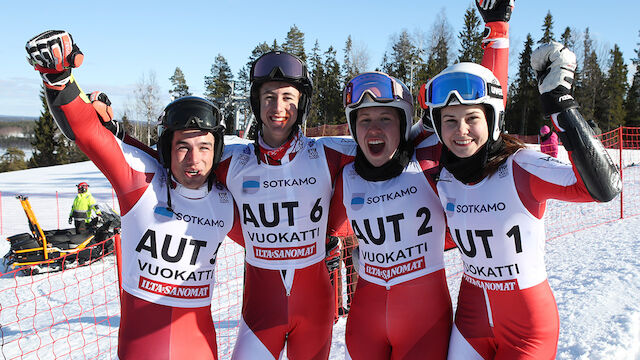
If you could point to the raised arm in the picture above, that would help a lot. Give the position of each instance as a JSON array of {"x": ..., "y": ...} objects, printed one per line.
[
  {"x": 53, "y": 54},
  {"x": 495, "y": 42},
  {"x": 555, "y": 65}
]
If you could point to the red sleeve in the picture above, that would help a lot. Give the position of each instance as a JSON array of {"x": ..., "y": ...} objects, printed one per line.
[
  {"x": 496, "y": 59},
  {"x": 235, "y": 233},
  {"x": 336, "y": 161},
  {"x": 534, "y": 191},
  {"x": 338, "y": 221},
  {"x": 99, "y": 144},
  {"x": 222, "y": 170}
]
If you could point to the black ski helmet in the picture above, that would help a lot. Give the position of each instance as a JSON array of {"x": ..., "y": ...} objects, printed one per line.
[
  {"x": 285, "y": 67},
  {"x": 189, "y": 112}
]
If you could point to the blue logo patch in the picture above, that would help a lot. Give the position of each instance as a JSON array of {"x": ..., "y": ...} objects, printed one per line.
[
  {"x": 357, "y": 201},
  {"x": 250, "y": 184},
  {"x": 450, "y": 208}
]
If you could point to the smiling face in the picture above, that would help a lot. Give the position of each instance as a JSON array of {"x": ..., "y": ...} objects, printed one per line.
[
  {"x": 378, "y": 133},
  {"x": 464, "y": 129},
  {"x": 192, "y": 157},
  {"x": 278, "y": 111}
]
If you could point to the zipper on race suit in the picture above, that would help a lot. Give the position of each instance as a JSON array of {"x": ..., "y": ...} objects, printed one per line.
[
  {"x": 486, "y": 301},
  {"x": 287, "y": 279}
]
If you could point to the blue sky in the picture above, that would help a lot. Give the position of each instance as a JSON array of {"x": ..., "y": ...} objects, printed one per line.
[{"x": 124, "y": 40}]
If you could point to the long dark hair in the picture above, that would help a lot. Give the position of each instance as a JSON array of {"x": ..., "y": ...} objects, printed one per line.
[{"x": 509, "y": 145}]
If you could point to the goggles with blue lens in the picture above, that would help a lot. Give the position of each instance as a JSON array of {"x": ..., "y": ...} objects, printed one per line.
[
  {"x": 381, "y": 87},
  {"x": 268, "y": 64},
  {"x": 468, "y": 88}
]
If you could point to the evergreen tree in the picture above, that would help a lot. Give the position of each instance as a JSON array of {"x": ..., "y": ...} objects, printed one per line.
[
  {"x": 316, "y": 70},
  {"x": 179, "y": 83},
  {"x": 348, "y": 69},
  {"x": 523, "y": 114},
  {"x": 567, "y": 39},
  {"x": 218, "y": 89},
  {"x": 243, "y": 85},
  {"x": 632, "y": 102},
  {"x": 589, "y": 84},
  {"x": 615, "y": 89},
  {"x": 438, "y": 53},
  {"x": 403, "y": 56},
  {"x": 385, "y": 65},
  {"x": 12, "y": 160},
  {"x": 547, "y": 30},
  {"x": 72, "y": 154},
  {"x": 47, "y": 146},
  {"x": 294, "y": 43},
  {"x": 471, "y": 37},
  {"x": 275, "y": 46},
  {"x": 128, "y": 126},
  {"x": 330, "y": 88}
]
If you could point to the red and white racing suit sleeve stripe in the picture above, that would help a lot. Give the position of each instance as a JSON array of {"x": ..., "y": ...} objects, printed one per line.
[
  {"x": 559, "y": 183},
  {"x": 71, "y": 106}
]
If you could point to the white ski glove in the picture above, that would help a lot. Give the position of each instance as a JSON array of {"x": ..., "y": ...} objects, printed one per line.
[{"x": 555, "y": 66}]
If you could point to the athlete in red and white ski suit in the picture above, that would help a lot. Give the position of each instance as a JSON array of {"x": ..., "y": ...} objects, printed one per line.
[
  {"x": 506, "y": 309},
  {"x": 505, "y": 301},
  {"x": 168, "y": 259},
  {"x": 401, "y": 308},
  {"x": 284, "y": 207}
]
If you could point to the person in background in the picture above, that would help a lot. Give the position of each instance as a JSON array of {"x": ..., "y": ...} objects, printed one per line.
[
  {"x": 548, "y": 141},
  {"x": 83, "y": 208}
]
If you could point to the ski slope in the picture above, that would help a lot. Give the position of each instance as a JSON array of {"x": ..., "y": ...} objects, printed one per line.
[{"x": 594, "y": 273}]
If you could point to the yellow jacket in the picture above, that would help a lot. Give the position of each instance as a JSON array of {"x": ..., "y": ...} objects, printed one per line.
[{"x": 83, "y": 207}]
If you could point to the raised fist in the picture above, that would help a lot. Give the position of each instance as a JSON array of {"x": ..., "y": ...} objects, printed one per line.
[
  {"x": 555, "y": 66},
  {"x": 53, "y": 54},
  {"x": 495, "y": 10}
]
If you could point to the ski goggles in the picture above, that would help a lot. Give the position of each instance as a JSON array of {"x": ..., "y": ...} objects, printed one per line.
[
  {"x": 381, "y": 87},
  {"x": 190, "y": 115},
  {"x": 469, "y": 88},
  {"x": 288, "y": 65}
]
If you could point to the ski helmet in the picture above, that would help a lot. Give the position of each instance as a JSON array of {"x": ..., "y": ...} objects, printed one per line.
[
  {"x": 189, "y": 112},
  {"x": 82, "y": 187},
  {"x": 466, "y": 84},
  {"x": 285, "y": 67},
  {"x": 376, "y": 89}
]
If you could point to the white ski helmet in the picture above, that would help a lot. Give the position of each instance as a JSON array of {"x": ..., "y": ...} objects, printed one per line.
[
  {"x": 374, "y": 89},
  {"x": 466, "y": 84}
]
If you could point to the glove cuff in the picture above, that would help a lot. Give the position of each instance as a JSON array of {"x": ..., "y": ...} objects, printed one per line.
[
  {"x": 557, "y": 100},
  {"x": 56, "y": 81},
  {"x": 496, "y": 35}
]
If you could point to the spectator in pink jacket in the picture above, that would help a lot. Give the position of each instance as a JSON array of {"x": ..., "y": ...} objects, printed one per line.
[{"x": 548, "y": 141}]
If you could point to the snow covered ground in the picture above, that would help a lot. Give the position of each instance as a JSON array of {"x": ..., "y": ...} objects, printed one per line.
[{"x": 595, "y": 273}]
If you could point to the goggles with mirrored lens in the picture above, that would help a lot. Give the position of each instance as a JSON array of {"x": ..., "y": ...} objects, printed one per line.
[
  {"x": 381, "y": 87},
  {"x": 289, "y": 65},
  {"x": 468, "y": 88},
  {"x": 190, "y": 115}
]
